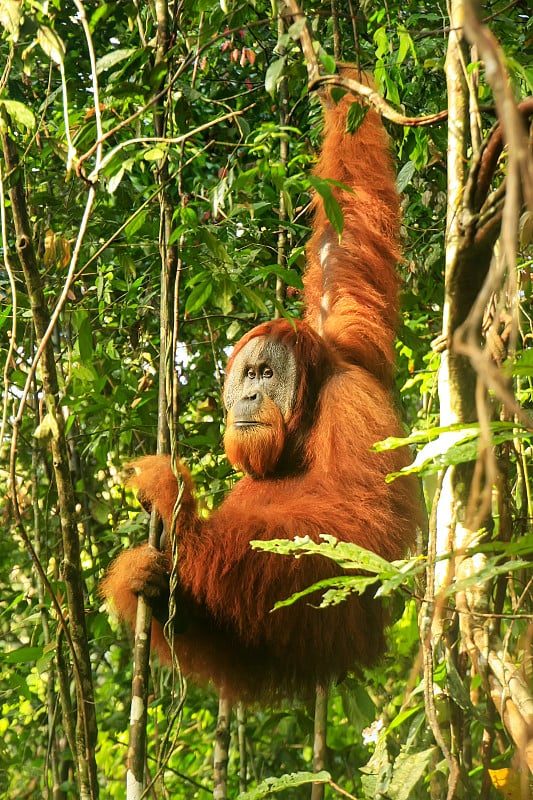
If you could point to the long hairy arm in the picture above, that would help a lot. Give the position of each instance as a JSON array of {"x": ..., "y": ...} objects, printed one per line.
[{"x": 351, "y": 285}]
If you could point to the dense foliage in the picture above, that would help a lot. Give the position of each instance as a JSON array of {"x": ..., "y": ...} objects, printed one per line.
[{"x": 219, "y": 133}]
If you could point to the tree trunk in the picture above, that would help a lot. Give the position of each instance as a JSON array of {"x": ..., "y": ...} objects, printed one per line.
[{"x": 86, "y": 727}]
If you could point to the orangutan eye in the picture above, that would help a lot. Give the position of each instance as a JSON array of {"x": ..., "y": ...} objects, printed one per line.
[
  {"x": 268, "y": 373},
  {"x": 250, "y": 373}
]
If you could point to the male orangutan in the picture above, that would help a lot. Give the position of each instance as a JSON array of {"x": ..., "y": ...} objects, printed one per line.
[{"x": 305, "y": 401}]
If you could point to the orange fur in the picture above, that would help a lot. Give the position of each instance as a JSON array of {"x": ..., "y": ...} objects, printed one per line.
[
  {"x": 326, "y": 480},
  {"x": 257, "y": 452},
  {"x": 353, "y": 300}
]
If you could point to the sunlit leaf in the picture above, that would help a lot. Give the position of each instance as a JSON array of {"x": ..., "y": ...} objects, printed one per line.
[
  {"x": 19, "y": 113},
  {"x": 508, "y": 783},
  {"x": 113, "y": 58},
  {"x": 11, "y": 12},
  {"x": 273, "y": 75},
  {"x": 275, "y": 785},
  {"x": 51, "y": 43}
]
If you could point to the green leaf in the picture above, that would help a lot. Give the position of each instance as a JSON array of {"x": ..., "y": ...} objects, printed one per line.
[
  {"x": 85, "y": 378},
  {"x": 409, "y": 769},
  {"x": 114, "y": 181},
  {"x": 189, "y": 217},
  {"x": 347, "y": 555},
  {"x": 19, "y": 113},
  {"x": 357, "y": 703},
  {"x": 404, "y": 715},
  {"x": 22, "y": 655},
  {"x": 381, "y": 40},
  {"x": 336, "y": 590},
  {"x": 289, "y": 276},
  {"x": 405, "y": 175},
  {"x": 48, "y": 657},
  {"x": 355, "y": 117},
  {"x": 214, "y": 245},
  {"x": 51, "y": 43},
  {"x": 523, "y": 365},
  {"x": 254, "y": 298},
  {"x": 327, "y": 61},
  {"x": 332, "y": 207},
  {"x": 449, "y": 446},
  {"x": 18, "y": 683},
  {"x": 273, "y": 75},
  {"x": 135, "y": 224},
  {"x": 199, "y": 296},
  {"x": 85, "y": 340},
  {"x": 295, "y": 30},
  {"x": 337, "y": 93},
  {"x": 154, "y": 154},
  {"x": 11, "y": 14},
  {"x": 246, "y": 179},
  {"x": 113, "y": 58},
  {"x": 406, "y": 46},
  {"x": 291, "y": 781},
  {"x": 487, "y": 574}
]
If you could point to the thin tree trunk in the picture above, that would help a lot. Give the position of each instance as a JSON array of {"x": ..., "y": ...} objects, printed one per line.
[
  {"x": 51, "y": 700},
  {"x": 319, "y": 741},
  {"x": 464, "y": 506},
  {"x": 243, "y": 755},
  {"x": 456, "y": 376},
  {"x": 221, "y": 755},
  {"x": 86, "y": 727},
  {"x": 141, "y": 655}
]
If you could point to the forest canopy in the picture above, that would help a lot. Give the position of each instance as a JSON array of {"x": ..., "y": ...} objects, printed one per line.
[{"x": 155, "y": 183}]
